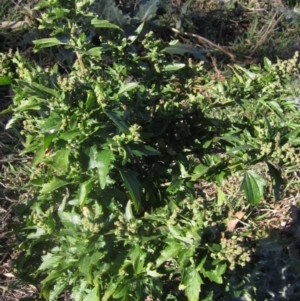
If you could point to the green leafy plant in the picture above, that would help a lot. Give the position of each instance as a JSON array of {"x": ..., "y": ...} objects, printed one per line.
[{"x": 120, "y": 139}]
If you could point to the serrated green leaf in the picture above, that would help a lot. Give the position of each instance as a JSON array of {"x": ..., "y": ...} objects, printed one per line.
[
  {"x": 93, "y": 295},
  {"x": 102, "y": 161},
  {"x": 185, "y": 255},
  {"x": 53, "y": 185},
  {"x": 215, "y": 275},
  {"x": 192, "y": 282},
  {"x": 50, "y": 261},
  {"x": 133, "y": 186},
  {"x": 178, "y": 235},
  {"x": 169, "y": 252},
  {"x": 110, "y": 290},
  {"x": 128, "y": 87},
  {"x": 253, "y": 186},
  {"x": 56, "y": 291}
]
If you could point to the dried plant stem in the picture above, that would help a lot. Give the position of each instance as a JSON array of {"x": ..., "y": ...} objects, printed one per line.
[{"x": 205, "y": 41}]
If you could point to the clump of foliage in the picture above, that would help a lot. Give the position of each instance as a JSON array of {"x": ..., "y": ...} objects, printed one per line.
[{"x": 120, "y": 139}]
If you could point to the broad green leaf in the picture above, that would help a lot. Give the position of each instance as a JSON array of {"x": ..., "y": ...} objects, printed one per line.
[
  {"x": 61, "y": 159},
  {"x": 192, "y": 282},
  {"x": 117, "y": 17},
  {"x": 185, "y": 255},
  {"x": 57, "y": 290},
  {"x": 215, "y": 274},
  {"x": 69, "y": 219},
  {"x": 169, "y": 252},
  {"x": 128, "y": 211},
  {"x": 277, "y": 180},
  {"x": 138, "y": 264},
  {"x": 93, "y": 295},
  {"x": 142, "y": 150},
  {"x": 253, "y": 186},
  {"x": 173, "y": 67},
  {"x": 199, "y": 171},
  {"x": 138, "y": 31},
  {"x": 42, "y": 89},
  {"x": 148, "y": 10},
  {"x": 175, "y": 185},
  {"x": 85, "y": 188},
  {"x": 128, "y": 87},
  {"x": 238, "y": 148},
  {"x": 39, "y": 232},
  {"x": 95, "y": 51},
  {"x": 52, "y": 124},
  {"x": 267, "y": 63},
  {"x": 201, "y": 264},
  {"x": 178, "y": 235},
  {"x": 53, "y": 185},
  {"x": 154, "y": 274},
  {"x": 121, "y": 290},
  {"x": 39, "y": 155},
  {"x": 110, "y": 290},
  {"x": 91, "y": 100},
  {"x": 45, "y": 43},
  {"x": 178, "y": 48},
  {"x": 118, "y": 122},
  {"x": 273, "y": 106},
  {"x": 50, "y": 261},
  {"x": 5, "y": 80},
  {"x": 215, "y": 248},
  {"x": 221, "y": 198},
  {"x": 250, "y": 74},
  {"x": 85, "y": 267},
  {"x": 133, "y": 185},
  {"x": 104, "y": 159},
  {"x": 70, "y": 135},
  {"x": 104, "y": 24},
  {"x": 30, "y": 104}
]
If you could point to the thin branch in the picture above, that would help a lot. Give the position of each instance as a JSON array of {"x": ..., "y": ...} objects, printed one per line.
[{"x": 204, "y": 40}]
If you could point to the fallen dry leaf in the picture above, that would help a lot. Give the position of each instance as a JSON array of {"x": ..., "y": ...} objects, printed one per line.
[{"x": 231, "y": 224}]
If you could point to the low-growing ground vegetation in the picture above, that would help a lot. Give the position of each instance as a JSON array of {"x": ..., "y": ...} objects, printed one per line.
[{"x": 149, "y": 150}]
